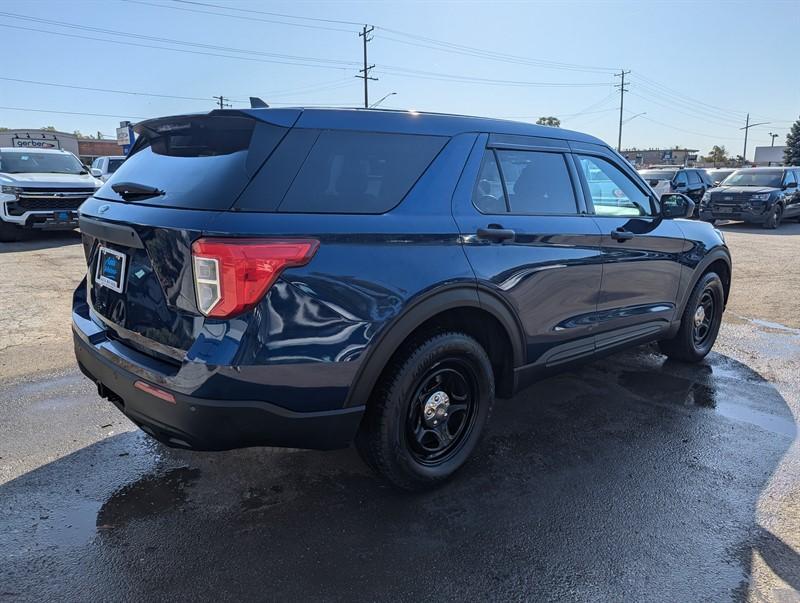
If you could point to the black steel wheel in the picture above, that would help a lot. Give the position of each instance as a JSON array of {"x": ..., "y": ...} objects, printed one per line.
[
  {"x": 442, "y": 412},
  {"x": 703, "y": 317},
  {"x": 428, "y": 411},
  {"x": 700, "y": 321},
  {"x": 775, "y": 217}
]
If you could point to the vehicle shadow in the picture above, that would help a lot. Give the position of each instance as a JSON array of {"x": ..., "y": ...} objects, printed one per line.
[
  {"x": 37, "y": 240},
  {"x": 631, "y": 478},
  {"x": 787, "y": 227}
]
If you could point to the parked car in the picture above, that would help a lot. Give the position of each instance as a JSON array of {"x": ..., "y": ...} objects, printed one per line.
[
  {"x": 41, "y": 190},
  {"x": 692, "y": 182},
  {"x": 103, "y": 167},
  {"x": 309, "y": 278},
  {"x": 717, "y": 175},
  {"x": 763, "y": 196}
]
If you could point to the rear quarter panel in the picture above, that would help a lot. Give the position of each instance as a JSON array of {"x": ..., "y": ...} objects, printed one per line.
[{"x": 367, "y": 270}]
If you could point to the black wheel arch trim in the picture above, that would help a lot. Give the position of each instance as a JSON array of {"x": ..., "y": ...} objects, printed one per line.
[
  {"x": 429, "y": 304},
  {"x": 718, "y": 253}
]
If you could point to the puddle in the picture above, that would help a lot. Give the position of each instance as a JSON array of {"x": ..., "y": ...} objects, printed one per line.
[
  {"x": 764, "y": 420},
  {"x": 712, "y": 389},
  {"x": 773, "y": 325},
  {"x": 150, "y": 495}
]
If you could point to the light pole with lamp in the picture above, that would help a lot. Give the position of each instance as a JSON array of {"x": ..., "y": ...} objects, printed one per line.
[{"x": 378, "y": 102}]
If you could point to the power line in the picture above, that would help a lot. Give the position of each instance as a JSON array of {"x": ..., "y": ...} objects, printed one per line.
[
  {"x": 449, "y": 77},
  {"x": 263, "y": 12},
  {"x": 73, "y": 113},
  {"x": 129, "y": 92},
  {"x": 714, "y": 136},
  {"x": 418, "y": 40},
  {"x": 181, "y": 50},
  {"x": 284, "y": 57},
  {"x": 241, "y": 17}
]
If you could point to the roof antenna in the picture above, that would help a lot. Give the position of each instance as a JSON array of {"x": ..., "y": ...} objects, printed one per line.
[{"x": 257, "y": 103}]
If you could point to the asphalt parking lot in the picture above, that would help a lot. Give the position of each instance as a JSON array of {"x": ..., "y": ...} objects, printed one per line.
[{"x": 630, "y": 478}]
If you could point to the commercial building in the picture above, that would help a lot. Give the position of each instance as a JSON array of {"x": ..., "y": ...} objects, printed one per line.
[
  {"x": 645, "y": 157},
  {"x": 769, "y": 155},
  {"x": 87, "y": 149}
]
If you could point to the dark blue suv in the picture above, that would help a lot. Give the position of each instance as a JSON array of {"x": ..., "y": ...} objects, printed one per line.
[{"x": 310, "y": 278}]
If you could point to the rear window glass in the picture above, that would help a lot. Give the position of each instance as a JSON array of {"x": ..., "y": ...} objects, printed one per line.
[
  {"x": 359, "y": 172},
  {"x": 199, "y": 162}
]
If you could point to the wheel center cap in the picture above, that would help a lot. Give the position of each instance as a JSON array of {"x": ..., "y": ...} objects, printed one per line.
[
  {"x": 699, "y": 316},
  {"x": 435, "y": 409}
]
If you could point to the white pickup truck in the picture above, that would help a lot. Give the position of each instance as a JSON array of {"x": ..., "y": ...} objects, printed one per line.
[{"x": 41, "y": 189}]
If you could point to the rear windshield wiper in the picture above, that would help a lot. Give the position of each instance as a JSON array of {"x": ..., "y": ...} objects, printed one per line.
[{"x": 131, "y": 191}]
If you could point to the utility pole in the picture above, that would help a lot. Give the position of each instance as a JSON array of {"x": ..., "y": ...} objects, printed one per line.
[
  {"x": 221, "y": 101},
  {"x": 747, "y": 126},
  {"x": 367, "y": 67},
  {"x": 622, "y": 90}
]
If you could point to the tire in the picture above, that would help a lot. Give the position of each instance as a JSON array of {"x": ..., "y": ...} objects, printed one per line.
[
  {"x": 775, "y": 216},
  {"x": 694, "y": 341},
  {"x": 413, "y": 450},
  {"x": 10, "y": 232}
]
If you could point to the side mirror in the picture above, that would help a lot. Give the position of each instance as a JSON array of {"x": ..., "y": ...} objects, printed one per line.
[
  {"x": 675, "y": 205},
  {"x": 791, "y": 185},
  {"x": 96, "y": 172}
]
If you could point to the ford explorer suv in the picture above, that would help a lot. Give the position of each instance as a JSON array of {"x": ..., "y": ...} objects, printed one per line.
[
  {"x": 763, "y": 196},
  {"x": 692, "y": 182},
  {"x": 315, "y": 277},
  {"x": 41, "y": 190}
]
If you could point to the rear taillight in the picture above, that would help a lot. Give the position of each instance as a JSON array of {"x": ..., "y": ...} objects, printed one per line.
[{"x": 232, "y": 275}]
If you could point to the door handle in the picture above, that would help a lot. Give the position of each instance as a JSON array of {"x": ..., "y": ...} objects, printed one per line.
[
  {"x": 495, "y": 232},
  {"x": 620, "y": 234}
]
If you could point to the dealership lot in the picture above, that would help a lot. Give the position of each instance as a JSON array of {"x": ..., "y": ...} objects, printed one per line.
[{"x": 628, "y": 478}]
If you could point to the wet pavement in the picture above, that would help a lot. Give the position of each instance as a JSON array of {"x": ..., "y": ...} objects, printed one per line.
[{"x": 631, "y": 478}]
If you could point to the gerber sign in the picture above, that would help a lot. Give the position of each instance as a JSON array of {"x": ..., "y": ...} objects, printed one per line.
[{"x": 36, "y": 143}]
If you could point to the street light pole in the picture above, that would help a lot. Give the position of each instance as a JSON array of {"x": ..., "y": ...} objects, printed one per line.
[
  {"x": 773, "y": 136},
  {"x": 376, "y": 103}
]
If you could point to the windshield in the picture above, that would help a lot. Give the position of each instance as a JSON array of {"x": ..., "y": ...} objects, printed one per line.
[
  {"x": 657, "y": 174},
  {"x": 113, "y": 164},
  {"x": 40, "y": 163},
  {"x": 754, "y": 178}
]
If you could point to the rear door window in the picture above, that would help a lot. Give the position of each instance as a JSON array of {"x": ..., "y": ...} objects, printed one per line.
[
  {"x": 359, "y": 172},
  {"x": 537, "y": 182}
]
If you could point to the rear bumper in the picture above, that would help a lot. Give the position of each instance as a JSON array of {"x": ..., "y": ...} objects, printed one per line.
[{"x": 202, "y": 424}]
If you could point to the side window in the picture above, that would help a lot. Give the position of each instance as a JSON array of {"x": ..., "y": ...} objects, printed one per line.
[
  {"x": 680, "y": 179},
  {"x": 537, "y": 182},
  {"x": 360, "y": 172},
  {"x": 488, "y": 195},
  {"x": 789, "y": 177},
  {"x": 612, "y": 192},
  {"x": 694, "y": 178},
  {"x": 96, "y": 162}
]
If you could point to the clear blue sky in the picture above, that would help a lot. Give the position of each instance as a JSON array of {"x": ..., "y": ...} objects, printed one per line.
[{"x": 732, "y": 57}]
